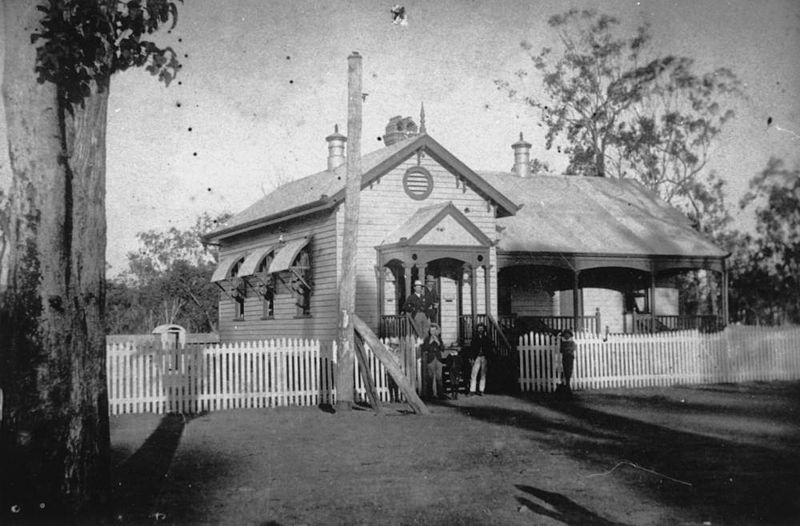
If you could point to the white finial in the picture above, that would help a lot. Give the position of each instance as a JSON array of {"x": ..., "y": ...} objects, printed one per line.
[{"x": 422, "y": 117}]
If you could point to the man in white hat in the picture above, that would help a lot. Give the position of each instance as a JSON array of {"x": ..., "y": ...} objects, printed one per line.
[{"x": 416, "y": 307}]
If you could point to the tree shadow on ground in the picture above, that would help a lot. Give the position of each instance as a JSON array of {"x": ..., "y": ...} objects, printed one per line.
[
  {"x": 753, "y": 406},
  {"x": 560, "y": 508},
  {"x": 139, "y": 479},
  {"x": 731, "y": 483}
]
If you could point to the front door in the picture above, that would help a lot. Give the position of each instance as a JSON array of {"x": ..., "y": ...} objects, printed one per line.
[{"x": 448, "y": 306}]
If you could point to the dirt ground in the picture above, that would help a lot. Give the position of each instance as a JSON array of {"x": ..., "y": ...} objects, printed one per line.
[{"x": 723, "y": 454}]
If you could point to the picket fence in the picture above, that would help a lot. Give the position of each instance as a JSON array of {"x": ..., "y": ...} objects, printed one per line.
[
  {"x": 147, "y": 378},
  {"x": 737, "y": 354}
]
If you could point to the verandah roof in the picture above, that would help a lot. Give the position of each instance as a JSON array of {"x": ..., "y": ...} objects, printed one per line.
[{"x": 594, "y": 215}]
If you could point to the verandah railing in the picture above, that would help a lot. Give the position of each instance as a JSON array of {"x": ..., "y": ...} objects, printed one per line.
[
  {"x": 639, "y": 323},
  {"x": 513, "y": 324},
  {"x": 736, "y": 354},
  {"x": 394, "y": 326},
  {"x": 633, "y": 323}
]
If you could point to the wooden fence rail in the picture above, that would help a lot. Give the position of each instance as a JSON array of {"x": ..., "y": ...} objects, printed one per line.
[{"x": 737, "y": 354}]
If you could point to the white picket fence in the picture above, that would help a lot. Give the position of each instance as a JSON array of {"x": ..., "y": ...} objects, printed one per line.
[
  {"x": 150, "y": 379},
  {"x": 737, "y": 354}
]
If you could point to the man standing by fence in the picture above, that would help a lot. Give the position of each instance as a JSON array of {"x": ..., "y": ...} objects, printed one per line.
[
  {"x": 567, "y": 349},
  {"x": 480, "y": 350}
]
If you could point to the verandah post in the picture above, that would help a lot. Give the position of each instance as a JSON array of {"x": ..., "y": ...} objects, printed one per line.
[
  {"x": 576, "y": 300},
  {"x": 598, "y": 326}
]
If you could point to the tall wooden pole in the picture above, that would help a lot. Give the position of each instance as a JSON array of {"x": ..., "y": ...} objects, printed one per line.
[{"x": 347, "y": 286}]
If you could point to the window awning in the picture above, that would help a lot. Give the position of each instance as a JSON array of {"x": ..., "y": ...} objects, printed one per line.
[
  {"x": 224, "y": 267},
  {"x": 250, "y": 264},
  {"x": 286, "y": 255}
]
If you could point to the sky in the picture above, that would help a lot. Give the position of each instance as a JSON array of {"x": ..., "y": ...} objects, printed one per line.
[{"x": 264, "y": 82}]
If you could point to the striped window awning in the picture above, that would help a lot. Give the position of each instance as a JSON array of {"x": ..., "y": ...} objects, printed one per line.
[
  {"x": 222, "y": 272},
  {"x": 287, "y": 254},
  {"x": 250, "y": 264}
]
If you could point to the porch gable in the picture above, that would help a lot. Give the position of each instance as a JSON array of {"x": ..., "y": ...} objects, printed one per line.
[{"x": 441, "y": 224}]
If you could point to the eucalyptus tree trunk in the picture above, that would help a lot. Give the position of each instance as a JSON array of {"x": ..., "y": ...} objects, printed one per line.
[{"x": 55, "y": 429}]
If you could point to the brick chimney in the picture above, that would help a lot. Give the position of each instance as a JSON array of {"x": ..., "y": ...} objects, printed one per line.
[
  {"x": 336, "y": 142},
  {"x": 522, "y": 157},
  {"x": 399, "y": 128}
]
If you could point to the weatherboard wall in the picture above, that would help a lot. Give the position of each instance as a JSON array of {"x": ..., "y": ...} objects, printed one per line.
[
  {"x": 385, "y": 205},
  {"x": 286, "y": 323}
]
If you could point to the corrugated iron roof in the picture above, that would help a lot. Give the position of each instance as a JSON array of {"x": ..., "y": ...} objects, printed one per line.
[
  {"x": 595, "y": 215},
  {"x": 325, "y": 189},
  {"x": 312, "y": 188},
  {"x": 561, "y": 214}
]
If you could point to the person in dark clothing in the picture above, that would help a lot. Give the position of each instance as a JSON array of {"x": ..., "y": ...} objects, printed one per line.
[
  {"x": 416, "y": 307},
  {"x": 481, "y": 349},
  {"x": 432, "y": 349},
  {"x": 431, "y": 299},
  {"x": 567, "y": 349}
]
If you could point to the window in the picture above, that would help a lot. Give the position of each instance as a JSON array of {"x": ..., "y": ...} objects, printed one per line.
[
  {"x": 301, "y": 283},
  {"x": 266, "y": 288},
  {"x": 237, "y": 290},
  {"x": 239, "y": 308}
]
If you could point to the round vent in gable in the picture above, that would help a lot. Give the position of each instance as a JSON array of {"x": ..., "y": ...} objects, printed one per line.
[{"x": 418, "y": 183}]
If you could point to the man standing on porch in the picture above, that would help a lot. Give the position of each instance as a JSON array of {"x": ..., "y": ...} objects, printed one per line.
[
  {"x": 431, "y": 299},
  {"x": 417, "y": 307},
  {"x": 480, "y": 350}
]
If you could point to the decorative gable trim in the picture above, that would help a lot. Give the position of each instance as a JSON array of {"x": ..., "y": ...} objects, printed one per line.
[
  {"x": 447, "y": 210},
  {"x": 461, "y": 219},
  {"x": 424, "y": 143}
]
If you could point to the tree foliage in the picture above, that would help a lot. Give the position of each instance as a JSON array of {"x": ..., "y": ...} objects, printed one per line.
[
  {"x": 83, "y": 42},
  {"x": 766, "y": 266},
  {"x": 620, "y": 109},
  {"x": 167, "y": 281}
]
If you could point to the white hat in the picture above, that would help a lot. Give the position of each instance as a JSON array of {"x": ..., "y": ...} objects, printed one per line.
[{"x": 417, "y": 282}]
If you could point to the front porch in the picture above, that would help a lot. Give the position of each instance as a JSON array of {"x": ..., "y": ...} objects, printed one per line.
[
  {"x": 444, "y": 249},
  {"x": 596, "y": 294},
  {"x": 463, "y": 289}
]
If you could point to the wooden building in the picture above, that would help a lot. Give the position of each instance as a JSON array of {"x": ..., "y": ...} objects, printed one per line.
[{"x": 516, "y": 250}]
